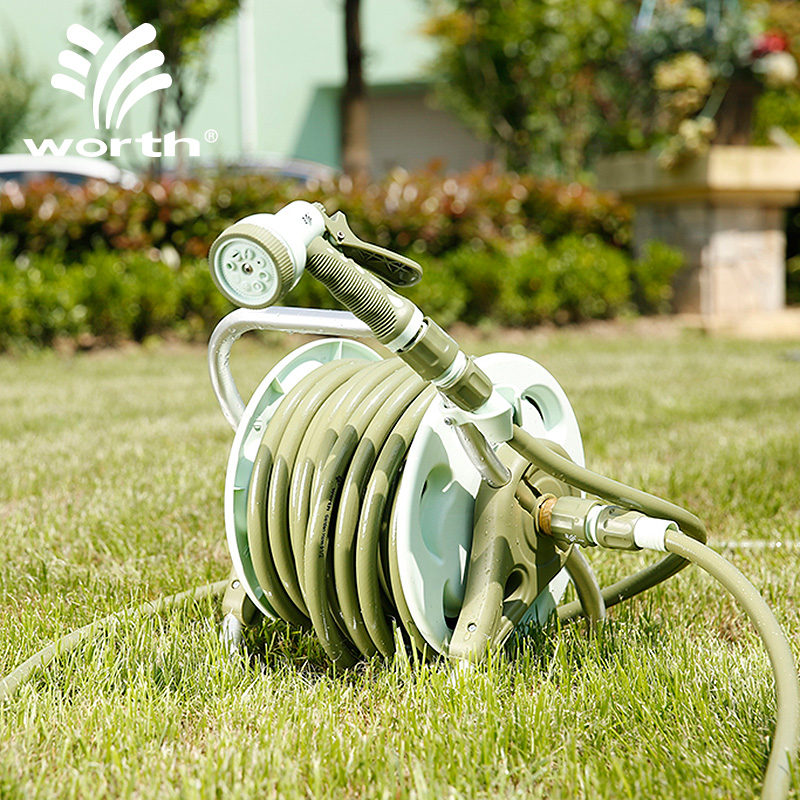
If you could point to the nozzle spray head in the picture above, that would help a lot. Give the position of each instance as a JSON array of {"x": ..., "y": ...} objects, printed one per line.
[{"x": 260, "y": 258}]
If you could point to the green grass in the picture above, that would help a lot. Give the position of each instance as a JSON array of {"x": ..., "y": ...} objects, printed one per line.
[{"x": 112, "y": 472}]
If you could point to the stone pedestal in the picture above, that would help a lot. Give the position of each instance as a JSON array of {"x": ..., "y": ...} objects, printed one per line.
[{"x": 725, "y": 211}]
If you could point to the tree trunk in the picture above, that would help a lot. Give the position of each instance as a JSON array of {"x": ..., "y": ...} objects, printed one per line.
[
  {"x": 155, "y": 169},
  {"x": 355, "y": 123}
]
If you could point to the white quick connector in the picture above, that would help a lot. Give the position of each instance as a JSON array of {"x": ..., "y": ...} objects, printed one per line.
[{"x": 650, "y": 533}]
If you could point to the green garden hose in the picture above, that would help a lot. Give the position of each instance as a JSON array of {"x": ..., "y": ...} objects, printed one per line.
[
  {"x": 303, "y": 555},
  {"x": 74, "y": 639},
  {"x": 777, "y": 778},
  {"x": 590, "y": 596}
]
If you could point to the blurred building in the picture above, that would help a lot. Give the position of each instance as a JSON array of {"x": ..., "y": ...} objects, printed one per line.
[{"x": 274, "y": 80}]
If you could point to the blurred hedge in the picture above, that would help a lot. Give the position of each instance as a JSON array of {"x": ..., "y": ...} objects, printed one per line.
[
  {"x": 107, "y": 298},
  {"x": 425, "y": 211},
  {"x": 97, "y": 262},
  {"x": 130, "y": 295}
]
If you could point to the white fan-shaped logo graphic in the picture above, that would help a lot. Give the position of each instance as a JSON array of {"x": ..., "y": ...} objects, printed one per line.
[{"x": 118, "y": 100}]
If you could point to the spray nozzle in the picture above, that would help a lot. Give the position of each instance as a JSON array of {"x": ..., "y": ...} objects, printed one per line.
[{"x": 260, "y": 258}]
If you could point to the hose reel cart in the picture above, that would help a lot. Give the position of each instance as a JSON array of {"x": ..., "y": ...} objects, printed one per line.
[{"x": 426, "y": 498}]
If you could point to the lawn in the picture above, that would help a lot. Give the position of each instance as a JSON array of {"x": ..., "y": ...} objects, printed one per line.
[{"x": 113, "y": 468}]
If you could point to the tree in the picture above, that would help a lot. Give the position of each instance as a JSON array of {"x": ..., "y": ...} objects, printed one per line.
[
  {"x": 355, "y": 121},
  {"x": 539, "y": 79},
  {"x": 182, "y": 28},
  {"x": 20, "y": 115}
]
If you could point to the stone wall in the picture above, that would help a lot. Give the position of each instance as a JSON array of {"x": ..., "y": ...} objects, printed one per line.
[
  {"x": 725, "y": 211},
  {"x": 735, "y": 254}
]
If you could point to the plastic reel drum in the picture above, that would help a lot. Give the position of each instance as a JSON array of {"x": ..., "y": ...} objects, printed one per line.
[{"x": 433, "y": 519}]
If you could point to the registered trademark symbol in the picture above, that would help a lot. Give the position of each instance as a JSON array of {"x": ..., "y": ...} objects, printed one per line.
[{"x": 211, "y": 135}]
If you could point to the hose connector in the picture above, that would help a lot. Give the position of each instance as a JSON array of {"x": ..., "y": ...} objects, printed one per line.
[
  {"x": 587, "y": 522},
  {"x": 436, "y": 356}
]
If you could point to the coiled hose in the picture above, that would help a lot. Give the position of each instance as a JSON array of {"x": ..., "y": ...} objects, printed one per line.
[
  {"x": 318, "y": 508},
  {"x": 319, "y": 503}
]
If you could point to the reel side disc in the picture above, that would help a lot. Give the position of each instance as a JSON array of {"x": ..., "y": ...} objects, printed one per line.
[{"x": 432, "y": 529}]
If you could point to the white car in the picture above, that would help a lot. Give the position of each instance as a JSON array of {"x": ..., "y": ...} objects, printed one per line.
[{"x": 23, "y": 167}]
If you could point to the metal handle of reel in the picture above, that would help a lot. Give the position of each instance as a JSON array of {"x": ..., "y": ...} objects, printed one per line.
[{"x": 286, "y": 320}]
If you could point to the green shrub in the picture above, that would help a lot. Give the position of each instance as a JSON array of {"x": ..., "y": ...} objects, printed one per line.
[
  {"x": 439, "y": 293},
  {"x": 38, "y": 302},
  {"x": 110, "y": 297},
  {"x": 793, "y": 280},
  {"x": 201, "y": 304},
  {"x": 119, "y": 295},
  {"x": 475, "y": 276},
  {"x": 578, "y": 278},
  {"x": 777, "y": 108},
  {"x": 592, "y": 279},
  {"x": 652, "y": 275},
  {"x": 528, "y": 292}
]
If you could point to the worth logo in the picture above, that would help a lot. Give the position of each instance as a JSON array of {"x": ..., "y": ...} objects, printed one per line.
[{"x": 112, "y": 97}]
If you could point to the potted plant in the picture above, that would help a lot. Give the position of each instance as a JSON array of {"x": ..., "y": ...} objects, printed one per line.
[{"x": 706, "y": 63}]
